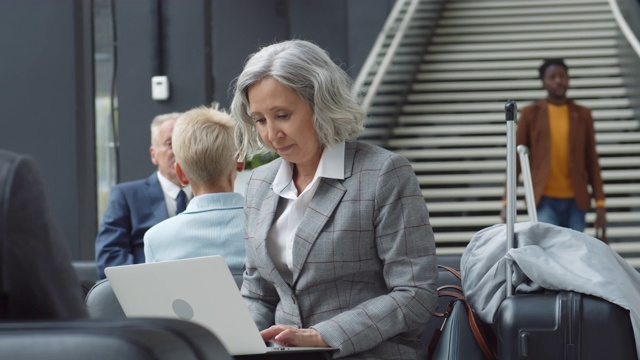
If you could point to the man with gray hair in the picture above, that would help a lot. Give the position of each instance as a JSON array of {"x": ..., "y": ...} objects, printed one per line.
[{"x": 136, "y": 206}]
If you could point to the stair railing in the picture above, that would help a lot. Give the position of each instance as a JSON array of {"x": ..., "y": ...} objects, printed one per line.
[
  {"x": 629, "y": 48},
  {"x": 624, "y": 27},
  {"x": 389, "y": 28}
]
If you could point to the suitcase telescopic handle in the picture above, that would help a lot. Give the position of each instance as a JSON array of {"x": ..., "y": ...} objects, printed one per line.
[{"x": 511, "y": 114}]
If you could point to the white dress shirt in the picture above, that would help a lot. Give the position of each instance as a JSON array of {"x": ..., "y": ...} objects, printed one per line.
[
  {"x": 170, "y": 191},
  {"x": 291, "y": 207}
]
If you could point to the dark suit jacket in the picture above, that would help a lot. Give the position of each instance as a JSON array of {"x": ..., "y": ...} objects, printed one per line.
[
  {"x": 133, "y": 208},
  {"x": 37, "y": 281},
  {"x": 584, "y": 165},
  {"x": 364, "y": 257}
]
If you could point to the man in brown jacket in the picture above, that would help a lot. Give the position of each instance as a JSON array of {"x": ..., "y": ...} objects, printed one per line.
[{"x": 560, "y": 136}]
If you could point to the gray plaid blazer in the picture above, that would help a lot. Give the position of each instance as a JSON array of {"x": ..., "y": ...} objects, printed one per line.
[{"x": 364, "y": 258}]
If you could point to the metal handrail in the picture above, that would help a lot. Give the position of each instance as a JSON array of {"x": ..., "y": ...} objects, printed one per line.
[
  {"x": 624, "y": 27},
  {"x": 511, "y": 114},
  {"x": 389, "y": 27},
  {"x": 395, "y": 42},
  {"x": 523, "y": 152}
]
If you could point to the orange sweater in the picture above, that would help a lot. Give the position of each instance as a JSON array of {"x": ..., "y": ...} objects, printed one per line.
[{"x": 559, "y": 183}]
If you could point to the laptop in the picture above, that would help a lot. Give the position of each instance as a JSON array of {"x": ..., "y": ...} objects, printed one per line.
[{"x": 201, "y": 290}]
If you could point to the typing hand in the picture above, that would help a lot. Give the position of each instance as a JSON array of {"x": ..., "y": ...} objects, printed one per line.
[{"x": 285, "y": 335}]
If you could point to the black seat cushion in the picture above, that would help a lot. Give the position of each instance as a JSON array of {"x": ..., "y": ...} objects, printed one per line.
[
  {"x": 129, "y": 339},
  {"x": 102, "y": 303}
]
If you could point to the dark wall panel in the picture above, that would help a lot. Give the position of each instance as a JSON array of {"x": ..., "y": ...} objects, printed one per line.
[
  {"x": 345, "y": 28},
  {"x": 323, "y": 22},
  {"x": 240, "y": 27},
  {"x": 41, "y": 88},
  {"x": 365, "y": 19},
  {"x": 172, "y": 42}
]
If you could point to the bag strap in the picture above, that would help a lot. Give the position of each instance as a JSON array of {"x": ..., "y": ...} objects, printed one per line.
[
  {"x": 477, "y": 333},
  {"x": 457, "y": 293},
  {"x": 445, "y": 291},
  {"x": 455, "y": 272}
]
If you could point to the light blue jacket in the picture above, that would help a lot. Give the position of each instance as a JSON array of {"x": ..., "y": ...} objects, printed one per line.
[{"x": 212, "y": 224}]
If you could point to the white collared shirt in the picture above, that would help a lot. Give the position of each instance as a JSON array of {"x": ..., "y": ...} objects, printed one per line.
[
  {"x": 291, "y": 207},
  {"x": 170, "y": 191}
]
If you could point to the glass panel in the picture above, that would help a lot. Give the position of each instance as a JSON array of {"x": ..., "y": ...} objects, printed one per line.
[{"x": 106, "y": 114}]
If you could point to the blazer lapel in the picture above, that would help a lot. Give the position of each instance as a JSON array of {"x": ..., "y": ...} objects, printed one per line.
[
  {"x": 263, "y": 224},
  {"x": 545, "y": 132},
  {"x": 574, "y": 124},
  {"x": 324, "y": 202},
  {"x": 156, "y": 198}
]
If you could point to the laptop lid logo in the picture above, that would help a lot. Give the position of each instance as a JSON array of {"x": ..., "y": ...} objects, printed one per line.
[{"x": 182, "y": 309}]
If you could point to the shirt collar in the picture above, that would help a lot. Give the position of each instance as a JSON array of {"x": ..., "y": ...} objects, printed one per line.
[
  {"x": 215, "y": 201},
  {"x": 331, "y": 166},
  {"x": 172, "y": 189}
]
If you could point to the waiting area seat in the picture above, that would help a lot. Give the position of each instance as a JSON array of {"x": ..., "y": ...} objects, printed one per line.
[
  {"x": 42, "y": 314},
  {"x": 130, "y": 339},
  {"x": 101, "y": 302}
]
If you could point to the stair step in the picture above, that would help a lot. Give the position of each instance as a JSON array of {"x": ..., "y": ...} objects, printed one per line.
[
  {"x": 457, "y": 96},
  {"x": 487, "y": 117},
  {"x": 463, "y": 141},
  {"x": 499, "y": 151},
  {"x": 497, "y": 178},
  {"x": 518, "y": 83},
  {"x": 516, "y": 55},
  {"x": 497, "y": 191},
  {"x": 531, "y": 73},
  {"x": 542, "y": 20},
  {"x": 618, "y": 125},
  {"x": 532, "y": 11},
  {"x": 491, "y": 106},
  {"x": 464, "y": 48},
  {"x": 525, "y": 28},
  {"x": 527, "y": 65},
  {"x": 588, "y": 33},
  {"x": 483, "y": 221},
  {"x": 495, "y": 205},
  {"x": 521, "y": 4},
  {"x": 500, "y": 165}
]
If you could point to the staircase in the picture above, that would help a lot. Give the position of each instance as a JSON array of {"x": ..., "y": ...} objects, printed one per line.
[{"x": 445, "y": 112}]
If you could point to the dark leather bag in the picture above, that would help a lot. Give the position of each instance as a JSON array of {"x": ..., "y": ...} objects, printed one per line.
[{"x": 462, "y": 336}]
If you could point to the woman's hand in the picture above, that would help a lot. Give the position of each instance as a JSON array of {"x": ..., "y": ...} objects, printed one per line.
[{"x": 285, "y": 335}]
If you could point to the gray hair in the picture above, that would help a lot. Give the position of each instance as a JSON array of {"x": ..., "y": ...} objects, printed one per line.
[
  {"x": 308, "y": 70},
  {"x": 158, "y": 121}
]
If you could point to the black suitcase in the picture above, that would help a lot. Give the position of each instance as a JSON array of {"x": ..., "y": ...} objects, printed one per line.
[
  {"x": 563, "y": 325},
  {"x": 556, "y": 325}
]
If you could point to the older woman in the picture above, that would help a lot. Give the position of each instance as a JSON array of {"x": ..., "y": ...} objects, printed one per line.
[{"x": 340, "y": 251}]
